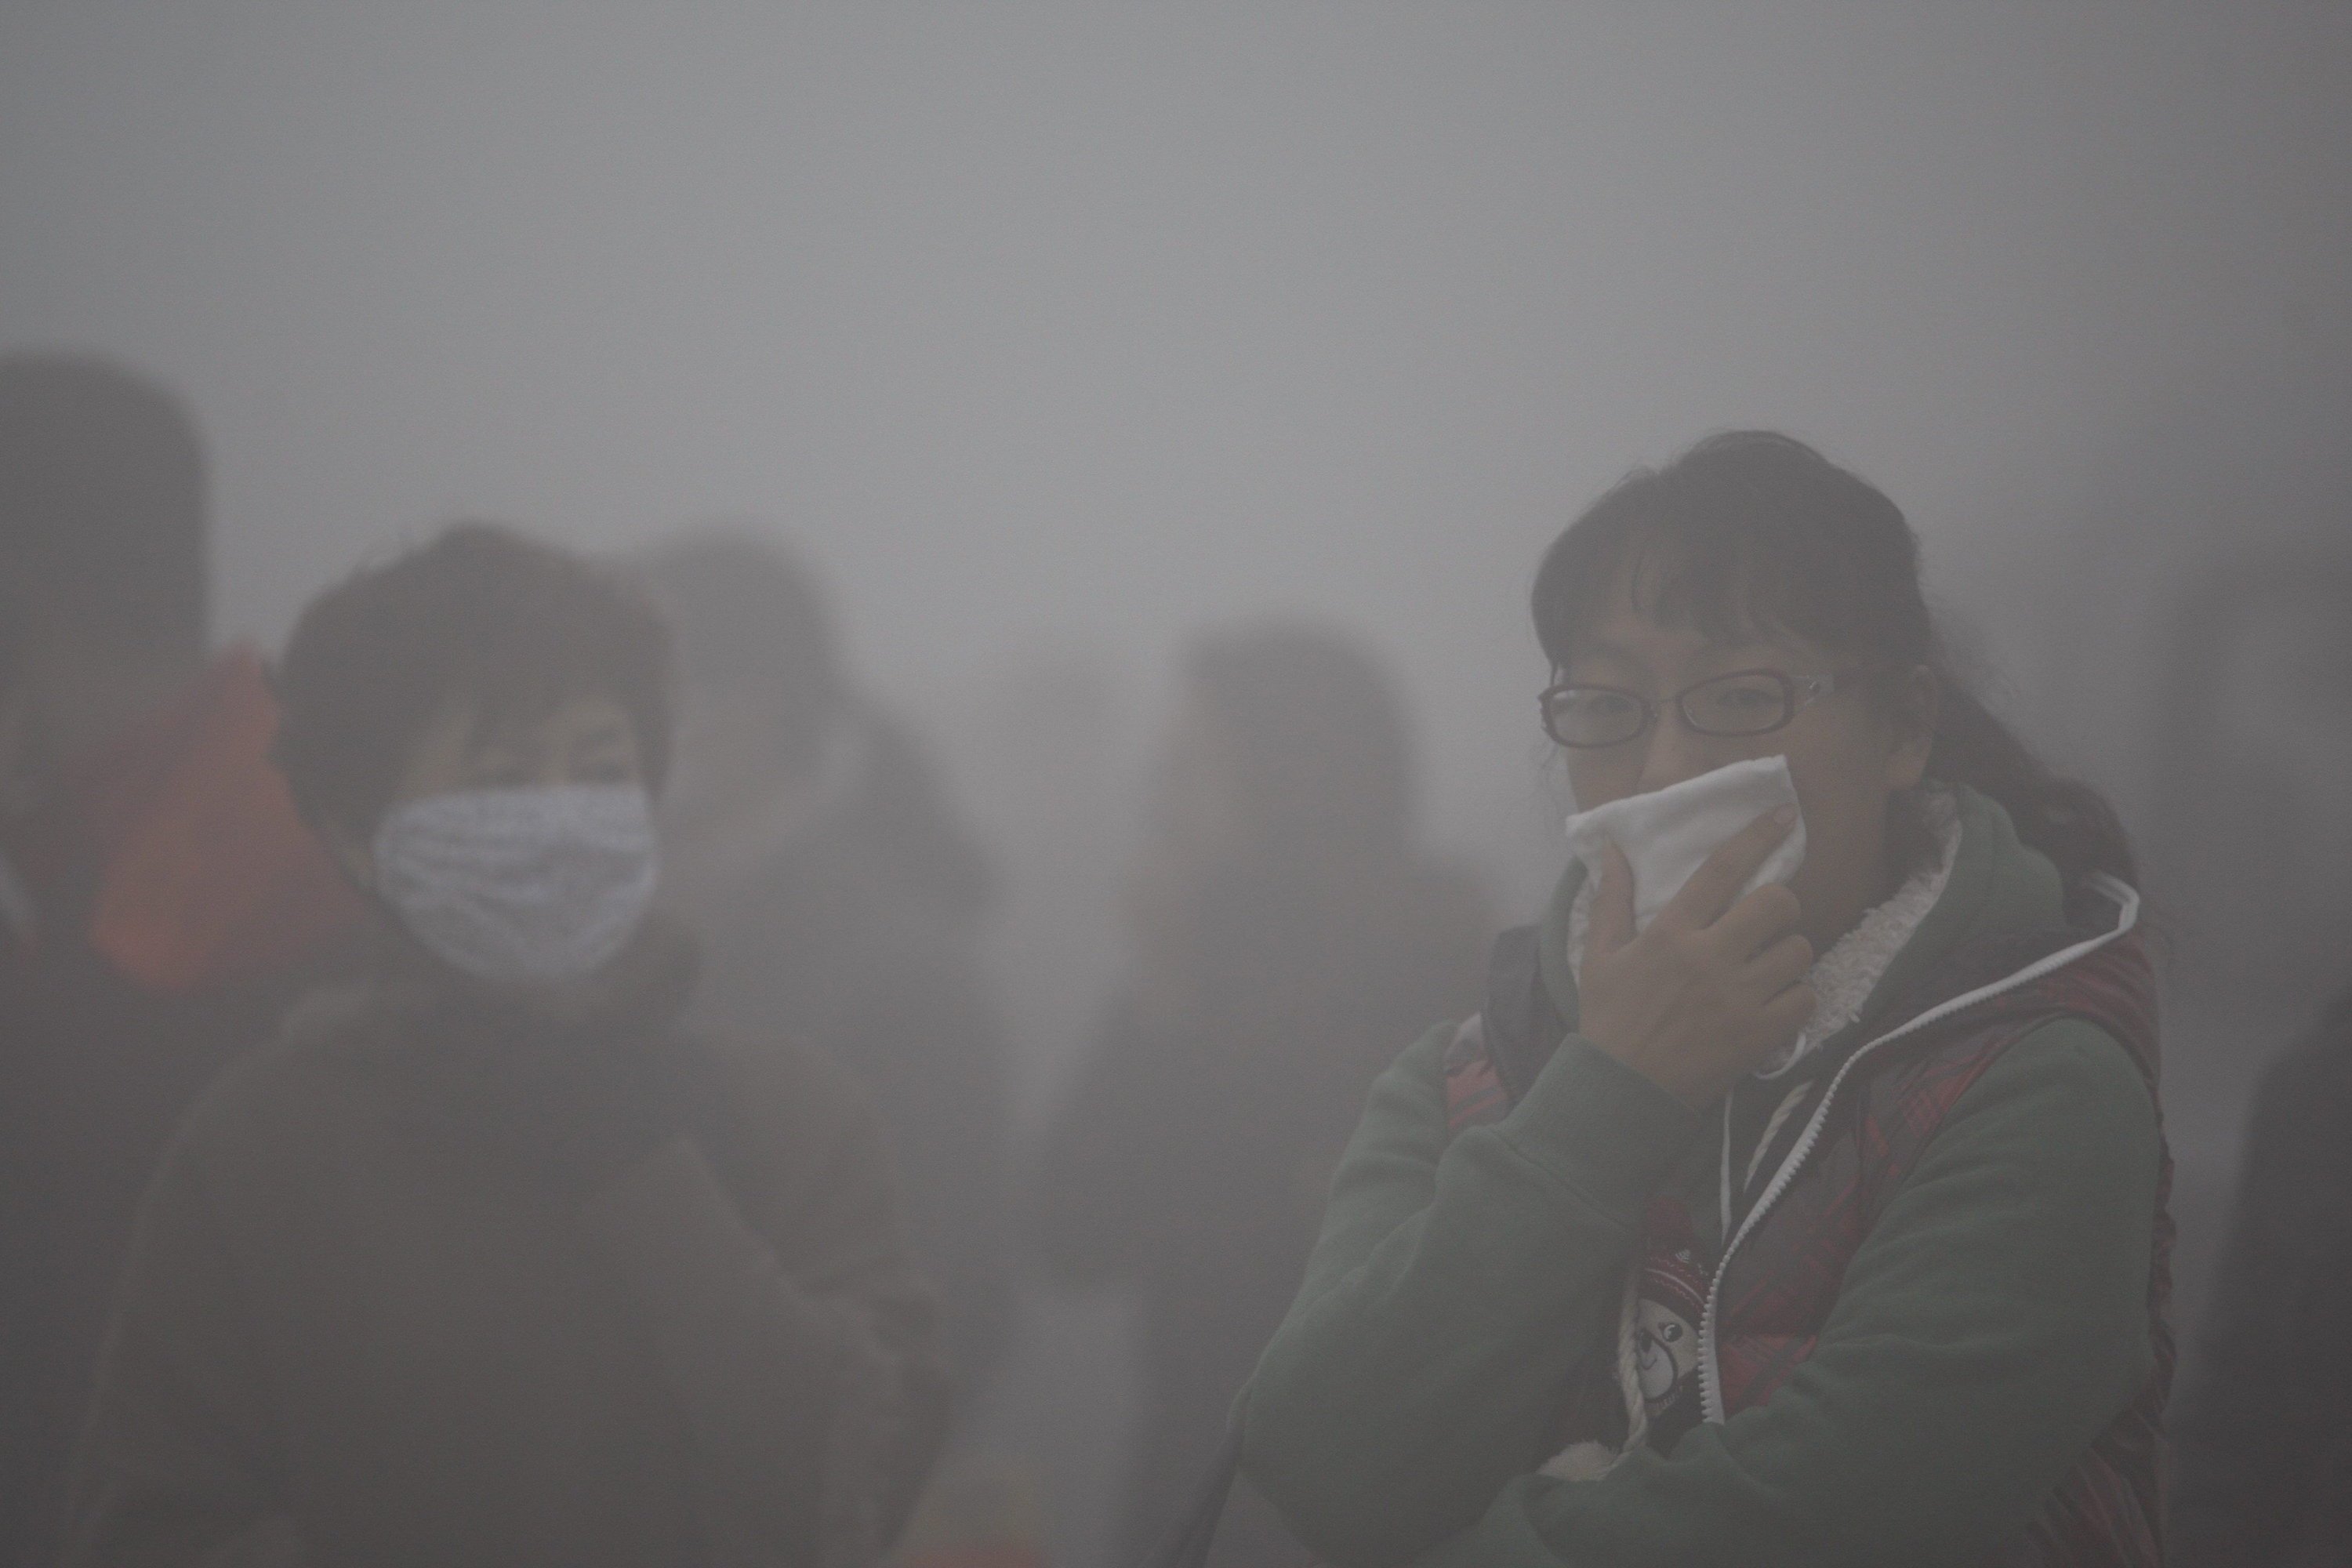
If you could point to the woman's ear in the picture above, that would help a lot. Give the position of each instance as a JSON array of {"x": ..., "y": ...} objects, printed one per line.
[{"x": 1918, "y": 705}]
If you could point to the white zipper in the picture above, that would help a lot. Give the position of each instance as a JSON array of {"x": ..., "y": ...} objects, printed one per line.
[{"x": 1710, "y": 1372}]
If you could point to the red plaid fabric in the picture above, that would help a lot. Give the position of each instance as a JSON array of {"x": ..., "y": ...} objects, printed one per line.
[{"x": 1784, "y": 1281}]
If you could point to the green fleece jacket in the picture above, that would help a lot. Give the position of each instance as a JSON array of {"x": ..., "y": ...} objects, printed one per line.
[{"x": 1988, "y": 1328}]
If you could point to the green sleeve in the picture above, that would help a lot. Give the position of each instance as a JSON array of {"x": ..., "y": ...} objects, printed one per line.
[
  {"x": 1453, "y": 1290},
  {"x": 1992, "y": 1325}
]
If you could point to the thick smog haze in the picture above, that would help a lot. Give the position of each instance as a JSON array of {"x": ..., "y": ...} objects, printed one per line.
[
  {"x": 1075, "y": 326},
  {"x": 1166, "y": 409}
]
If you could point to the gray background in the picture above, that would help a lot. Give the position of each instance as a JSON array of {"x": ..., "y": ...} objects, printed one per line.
[{"x": 1052, "y": 331}]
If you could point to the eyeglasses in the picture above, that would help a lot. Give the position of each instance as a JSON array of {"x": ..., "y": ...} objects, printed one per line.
[{"x": 1745, "y": 702}]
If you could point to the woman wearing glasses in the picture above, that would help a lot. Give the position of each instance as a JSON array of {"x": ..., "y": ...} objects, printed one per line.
[{"x": 1809, "y": 1216}]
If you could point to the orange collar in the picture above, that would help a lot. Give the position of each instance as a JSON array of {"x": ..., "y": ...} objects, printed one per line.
[{"x": 204, "y": 871}]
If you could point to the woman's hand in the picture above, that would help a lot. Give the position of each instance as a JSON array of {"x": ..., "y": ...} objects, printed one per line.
[{"x": 1713, "y": 987}]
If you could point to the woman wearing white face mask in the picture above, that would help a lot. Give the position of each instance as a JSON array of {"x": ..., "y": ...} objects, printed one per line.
[
  {"x": 487, "y": 1260},
  {"x": 1783, "y": 1205}
]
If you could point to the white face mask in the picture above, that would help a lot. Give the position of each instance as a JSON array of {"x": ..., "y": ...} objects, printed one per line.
[
  {"x": 1668, "y": 834},
  {"x": 532, "y": 885}
]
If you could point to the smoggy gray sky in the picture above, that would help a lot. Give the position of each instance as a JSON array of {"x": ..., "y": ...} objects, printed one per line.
[{"x": 1074, "y": 323}]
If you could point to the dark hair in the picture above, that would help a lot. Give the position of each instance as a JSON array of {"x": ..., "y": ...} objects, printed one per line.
[
  {"x": 747, "y": 615},
  {"x": 1323, "y": 751},
  {"x": 103, "y": 499},
  {"x": 1755, "y": 531},
  {"x": 482, "y": 614}
]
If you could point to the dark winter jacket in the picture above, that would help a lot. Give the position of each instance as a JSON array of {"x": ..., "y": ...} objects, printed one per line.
[
  {"x": 2264, "y": 1435},
  {"x": 855, "y": 938},
  {"x": 405, "y": 1293}
]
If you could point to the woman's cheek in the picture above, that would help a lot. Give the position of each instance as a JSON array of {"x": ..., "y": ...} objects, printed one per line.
[
  {"x": 1844, "y": 808},
  {"x": 1823, "y": 808}
]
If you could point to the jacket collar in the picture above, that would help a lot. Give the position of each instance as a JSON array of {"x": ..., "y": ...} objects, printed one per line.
[
  {"x": 2001, "y": 907},
  {"x": 643, "y": 989}
]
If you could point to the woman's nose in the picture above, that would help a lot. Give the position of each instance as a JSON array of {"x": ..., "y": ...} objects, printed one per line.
[{"x": 1672, "y": 751}]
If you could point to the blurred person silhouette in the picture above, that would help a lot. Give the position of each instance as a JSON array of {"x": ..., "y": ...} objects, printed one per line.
[
  {"x": 1043, "y": 745},
  {"x": 487, "y": 1259},
  {"x": 1285, "y": 931},
  {"x": 2263, "y": 1430},
  {"x": 837, "y": 897},
  {"x": 160, "y": 899},
  {"x": 1797, "y": 1194},
  {"x": 2255, "y": 749}
]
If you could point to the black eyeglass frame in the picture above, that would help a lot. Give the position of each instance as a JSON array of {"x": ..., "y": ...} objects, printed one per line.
[{"x": 1797, "y": 694}]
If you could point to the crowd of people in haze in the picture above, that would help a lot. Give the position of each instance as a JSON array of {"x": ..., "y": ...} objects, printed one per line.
[{"x": 515, "y": 1076}]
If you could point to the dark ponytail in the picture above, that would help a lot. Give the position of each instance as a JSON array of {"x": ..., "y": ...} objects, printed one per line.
[
  {"x": 1755, "y": 531},
  {"x": 2065, "y": 818}
]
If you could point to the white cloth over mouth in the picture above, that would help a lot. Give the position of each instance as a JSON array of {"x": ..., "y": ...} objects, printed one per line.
[{"x": 1668, "y": 834}]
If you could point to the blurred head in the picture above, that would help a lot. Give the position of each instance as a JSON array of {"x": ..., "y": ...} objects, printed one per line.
[
  {"x": 762, "y": 681},
  {"x": 102, "y": 530},
  {"x": 2256, "y": 735},
  {"x": 1786, "y": 590},
  {"x": 490, "y": 673},
  {"x": 1288, "y": 759}
]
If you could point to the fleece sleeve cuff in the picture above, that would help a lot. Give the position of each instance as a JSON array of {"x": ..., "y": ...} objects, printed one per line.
[{"x": 1599, "y": 1127}]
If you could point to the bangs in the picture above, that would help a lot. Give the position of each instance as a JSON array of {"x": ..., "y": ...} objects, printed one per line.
[
  {"x": 1747, "y": 536},
  {"x": 484, "y": 618},
  {"x": 515, "y": 658}
]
